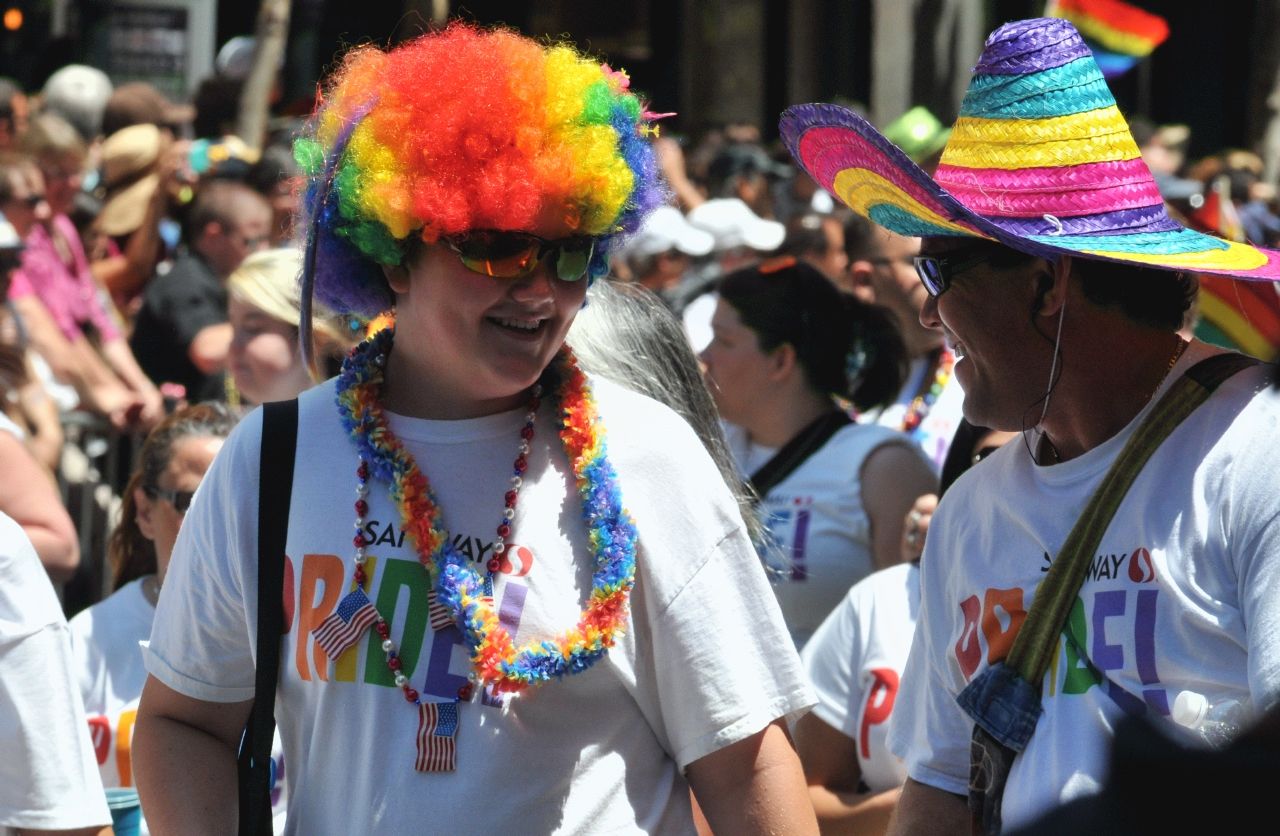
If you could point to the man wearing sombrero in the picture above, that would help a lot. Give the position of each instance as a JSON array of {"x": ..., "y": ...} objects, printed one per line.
[{"x": 1056, "y": 275}]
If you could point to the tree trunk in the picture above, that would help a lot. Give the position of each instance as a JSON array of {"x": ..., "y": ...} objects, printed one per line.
[{"x": 255, "y": 100}]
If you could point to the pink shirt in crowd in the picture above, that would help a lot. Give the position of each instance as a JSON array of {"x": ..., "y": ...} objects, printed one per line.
[{"x": 71, "y": 296}]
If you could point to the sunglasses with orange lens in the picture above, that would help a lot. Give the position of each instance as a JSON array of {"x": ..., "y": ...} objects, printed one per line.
[{"x": 513, "y": 255}]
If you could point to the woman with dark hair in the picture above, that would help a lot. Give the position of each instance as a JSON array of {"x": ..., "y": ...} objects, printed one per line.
[
  {"x": 104, "y": 638},
  {"x": 788, "y": 345}
]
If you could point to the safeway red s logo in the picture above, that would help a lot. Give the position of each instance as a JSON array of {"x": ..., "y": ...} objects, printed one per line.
[
  {"x": 516, "y": 561},
  {"x": 1141, "y": 569}
]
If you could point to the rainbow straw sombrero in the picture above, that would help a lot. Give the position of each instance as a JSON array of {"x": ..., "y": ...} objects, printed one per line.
[{"x": 1040, "y": 160}]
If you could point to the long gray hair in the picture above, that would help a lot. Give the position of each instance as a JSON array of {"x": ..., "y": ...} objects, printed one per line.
[{"x": 627, "y": 335}]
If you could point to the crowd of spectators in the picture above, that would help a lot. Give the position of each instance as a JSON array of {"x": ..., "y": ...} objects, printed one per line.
[{"x": 121, "y": 227}]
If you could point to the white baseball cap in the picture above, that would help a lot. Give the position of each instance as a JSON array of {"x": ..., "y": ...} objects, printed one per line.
[
  {"x": 79, "y": 94},
  {"x": 9, "y": 239},
  {"x": 666, "y": 229},
  {"x": 734, "y": 225},
  {"x": 235, "y": 59}
]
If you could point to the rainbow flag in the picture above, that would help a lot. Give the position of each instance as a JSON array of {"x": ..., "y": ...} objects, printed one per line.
[
  {"x": 1240, "y": 315},
  {"x": 1119, "y": 35}
]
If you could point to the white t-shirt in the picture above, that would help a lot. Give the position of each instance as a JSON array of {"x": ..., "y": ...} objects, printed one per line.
[
  {"x": 48, "y": 775},
  {"x": 7, "y": 425},
  {"x": 1182, "y": 594},
  {"x": 938, "y": 426},
  {"x": 818, "y": 534},
  {"x": 705, "y": 661},
  {"x": 855, "y": 661},
  {"x": 105, "y": 641}
]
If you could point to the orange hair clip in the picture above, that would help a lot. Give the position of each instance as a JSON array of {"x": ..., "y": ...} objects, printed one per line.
[{"x": 773, "y": 265}]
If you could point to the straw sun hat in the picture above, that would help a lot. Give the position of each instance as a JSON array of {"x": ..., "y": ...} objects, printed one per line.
[
  {"x": 1040, "y": 160},
  {"x": 128, "y": 171}
]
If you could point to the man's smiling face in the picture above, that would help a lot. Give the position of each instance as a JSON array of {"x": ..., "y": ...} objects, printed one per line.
[{"x": 988, "y": 317}]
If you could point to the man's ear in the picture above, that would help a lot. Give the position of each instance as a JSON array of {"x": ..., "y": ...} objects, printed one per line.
[
  {"x": 860, "y": 278},
  {"x": 1051, "y": 293},
  {"x": 397, "y": 277},
  {"x": 143, "y": 517},
  {"x": 782, "y": 360}
]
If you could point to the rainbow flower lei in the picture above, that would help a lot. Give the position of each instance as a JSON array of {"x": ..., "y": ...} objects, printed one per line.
[
  {"x": 923, "y": 404},
  {"x": 495, "y": 659}
]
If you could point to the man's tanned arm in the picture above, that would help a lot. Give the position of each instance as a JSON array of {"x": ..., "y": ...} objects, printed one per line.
[{"x": 928, "y": 811}]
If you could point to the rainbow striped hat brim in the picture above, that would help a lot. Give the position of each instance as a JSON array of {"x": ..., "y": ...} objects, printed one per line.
[{"x": 1040, "y": 160}]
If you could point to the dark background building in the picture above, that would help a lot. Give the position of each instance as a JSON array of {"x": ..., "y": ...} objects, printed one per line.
[{"x": 718, "y": 62}]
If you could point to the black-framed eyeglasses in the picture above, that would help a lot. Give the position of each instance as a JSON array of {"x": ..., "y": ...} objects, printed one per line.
[
  {"x": 936, "y": 272},
  {"x": 514, "y": 255},
  {"x": 180, "y": 500}
]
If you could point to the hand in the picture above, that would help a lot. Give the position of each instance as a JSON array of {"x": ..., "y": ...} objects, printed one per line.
[
  {"x": 46, "y": 450},
  {"x": 916, "y": 527},
  {"x": 152, "y": 410},
  {"x": 174, "y": 161},
  {"x": 114, "y": 401}
]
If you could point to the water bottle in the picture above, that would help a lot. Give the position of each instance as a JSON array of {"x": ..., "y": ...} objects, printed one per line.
[{"x": 1217, "y": 721}]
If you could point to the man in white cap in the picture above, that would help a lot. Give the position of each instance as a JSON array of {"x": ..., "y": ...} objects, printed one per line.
[
  {"x": 664, "y": 248},
  {"x": 741, "y": 237},
  {"x": 79, "y": 94}
]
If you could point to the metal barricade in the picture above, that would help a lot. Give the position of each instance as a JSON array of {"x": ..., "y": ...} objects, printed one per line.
[{"x": 97, "y": 461}]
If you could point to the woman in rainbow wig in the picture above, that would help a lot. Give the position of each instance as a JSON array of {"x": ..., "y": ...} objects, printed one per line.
[{"x": 518, "y": 599}]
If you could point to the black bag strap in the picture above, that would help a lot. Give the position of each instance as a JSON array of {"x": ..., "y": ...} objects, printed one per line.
[
  {"x": 1004, "y": 701},
  {"x": 275, "y": 487},
  {"x": 797, "y": 451}
]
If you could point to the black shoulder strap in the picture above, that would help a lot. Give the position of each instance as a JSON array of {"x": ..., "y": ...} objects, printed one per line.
[
  {"x": 275, "y": 486},
  {"x": 797, "y": 451}
]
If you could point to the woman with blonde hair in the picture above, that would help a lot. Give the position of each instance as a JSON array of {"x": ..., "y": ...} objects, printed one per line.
[{"x": 266, "y": 362}]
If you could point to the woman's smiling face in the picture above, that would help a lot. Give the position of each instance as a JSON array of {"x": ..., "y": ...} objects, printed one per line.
[{"x": 488, "y": 338}]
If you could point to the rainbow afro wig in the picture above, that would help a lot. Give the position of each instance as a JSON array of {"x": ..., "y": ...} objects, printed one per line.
[{"x": 460, "y": 130}]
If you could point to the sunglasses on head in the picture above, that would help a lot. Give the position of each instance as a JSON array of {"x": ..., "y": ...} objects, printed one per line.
[
  {"x": 513, "y": 255},
  {"x": 937, "y": 272},
  {"x": 180, "y": 500}
]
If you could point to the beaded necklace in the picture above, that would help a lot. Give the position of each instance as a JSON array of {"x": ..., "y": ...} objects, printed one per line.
[
  {"x": 920, "y": 407},
  {"x": 459, "y": 594}
]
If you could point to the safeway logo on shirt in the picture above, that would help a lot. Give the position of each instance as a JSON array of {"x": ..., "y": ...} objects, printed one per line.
[
  {"x": 1141, "y": 569},
  {"x": 1111, "y": 628},
  {"x": 1108, "y": 566}
]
